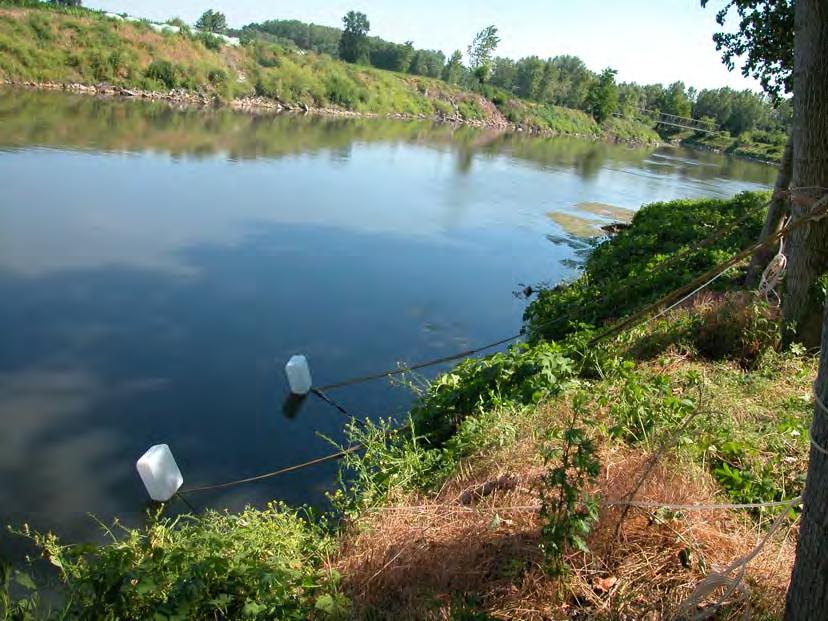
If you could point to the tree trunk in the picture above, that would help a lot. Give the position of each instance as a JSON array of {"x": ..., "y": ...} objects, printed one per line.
[
  {"x": 808, "y": 246},
  {"x": 808, "y": 594},
  {"x": 777, "y": 210}
]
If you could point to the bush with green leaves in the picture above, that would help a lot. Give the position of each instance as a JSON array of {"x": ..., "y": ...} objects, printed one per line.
[
  {"x": 568, "y": 509},
  {"x": 624, "y": 273},
  {"x": 645, "y": 407},
  {"x": 396, "y": 459},
  {"x": 210, "y": 41},
  {"x": 522, "y": 375},
  {"x": 165, "y": 72},
  {"x": 257, "y": 564}
]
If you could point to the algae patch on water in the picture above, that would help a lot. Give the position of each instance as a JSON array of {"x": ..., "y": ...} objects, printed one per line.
[{"x": 584, "y": 224}]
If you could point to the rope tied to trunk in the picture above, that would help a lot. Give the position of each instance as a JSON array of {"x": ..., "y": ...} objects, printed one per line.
[{"x": 774, "y": 273}]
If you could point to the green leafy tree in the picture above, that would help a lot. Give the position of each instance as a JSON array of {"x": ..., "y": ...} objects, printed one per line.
[
  {"x": 319, "y": 39},
  {"x": 603, "y": 96},
  {"x": 573, "y": 81},
  {"x": 453, "y": 71},
  {"x": 764, "y": 41},
  {"x": 630, "y": 99},
  {"x": 353, "y": 46},
  {"x": 529, "y": 79},
  {"x": 735, "y": 111},
  {"x": 212, "y": 21},
  {"x": 504, "y": 73},
  {"x": 481, "y": 52},
  {"x": 674, "y": 100},
  {"x": 71, "y": 3},
  {"x": 404, "y": 57}
]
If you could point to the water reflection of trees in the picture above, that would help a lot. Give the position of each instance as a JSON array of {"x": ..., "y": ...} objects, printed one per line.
[{"x": 72, "y": 121}]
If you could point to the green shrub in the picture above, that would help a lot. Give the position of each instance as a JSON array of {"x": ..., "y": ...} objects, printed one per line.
[
  {"x": 568, "y": 509},
  {"x": 254, "y": 565},
  {"x": 217, "y": 77},
  {"x": 470, "y": 110},
  {"x": 210, "y": 41},
  {"x": 341, "y": 91},
  {"x": 521, "y": 375},
  {"x": 164, "y": 72}
]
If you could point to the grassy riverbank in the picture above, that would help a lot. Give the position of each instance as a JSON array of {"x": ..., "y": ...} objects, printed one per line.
[
  {"x": 754, "y": 145},
  {"x": 53, "y": 47},
  {"x": 491, "y": 500}
]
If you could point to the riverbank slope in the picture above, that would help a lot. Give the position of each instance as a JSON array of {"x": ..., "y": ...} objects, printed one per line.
[{"x": 87, "y": 51}]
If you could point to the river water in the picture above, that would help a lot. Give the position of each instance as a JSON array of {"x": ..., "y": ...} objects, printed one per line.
[{"x": 158, "y": 267}]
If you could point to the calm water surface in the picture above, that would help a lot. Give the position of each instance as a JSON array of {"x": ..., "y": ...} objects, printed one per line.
[{"x": 158, "y": 267}]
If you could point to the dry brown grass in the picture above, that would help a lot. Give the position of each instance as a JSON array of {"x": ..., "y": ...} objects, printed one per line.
[{"x": 422, "y": 557}]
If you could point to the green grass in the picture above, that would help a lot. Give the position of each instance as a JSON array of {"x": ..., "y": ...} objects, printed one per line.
[
  {"x": 548, "y": 118},
  {"x": 630, "y": 130},
  {"x": 760, "y": 145}
]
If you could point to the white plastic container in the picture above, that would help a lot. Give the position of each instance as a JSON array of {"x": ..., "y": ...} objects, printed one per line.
[
  {"x": 298, "y": 375},
  {"x": 159, "y": 472}
]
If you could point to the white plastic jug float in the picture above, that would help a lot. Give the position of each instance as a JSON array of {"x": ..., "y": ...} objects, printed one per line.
[
  {"x": 298, "y": 375},
  {"x": 160, "y": 473}
]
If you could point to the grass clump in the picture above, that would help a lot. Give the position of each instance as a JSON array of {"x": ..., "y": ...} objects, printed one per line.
[
  {"x": 165, "y": 72},
  {"x": 541, "y": 117}
]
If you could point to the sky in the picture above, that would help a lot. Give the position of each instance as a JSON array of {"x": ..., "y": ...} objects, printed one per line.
[{"x": 647, "y": 41}]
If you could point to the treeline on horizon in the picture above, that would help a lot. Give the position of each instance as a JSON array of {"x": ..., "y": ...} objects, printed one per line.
[{"x": 562, "y": 80}]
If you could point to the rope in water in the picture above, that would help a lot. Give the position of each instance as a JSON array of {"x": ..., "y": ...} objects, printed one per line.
[
  {"x": 313, "y": 462},
  {"x": 676, "y": 297}
]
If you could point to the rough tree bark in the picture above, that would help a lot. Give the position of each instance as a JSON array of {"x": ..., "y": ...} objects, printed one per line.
[
  {"x": 808, "y": 594},
  {"x": 808, "y": 246},
  {"x": 777, "y": 210}
]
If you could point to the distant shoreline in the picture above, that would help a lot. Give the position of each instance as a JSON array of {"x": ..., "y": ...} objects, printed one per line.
[{"x": 182, "y": 98}]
